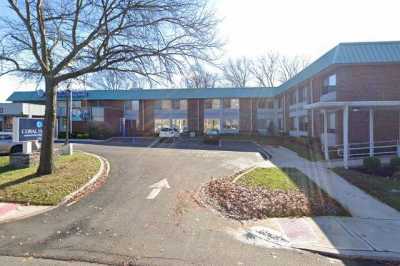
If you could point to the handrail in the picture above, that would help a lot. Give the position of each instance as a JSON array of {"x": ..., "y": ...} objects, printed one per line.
[{"x": 379, "y": 148}]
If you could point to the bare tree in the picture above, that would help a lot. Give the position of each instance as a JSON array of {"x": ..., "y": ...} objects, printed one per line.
[
  {"x": 291, "y": 66},
  {"x": 62, "y": 40},
  {"x": 237, "y": 72},
  {"x": 198, "y": 77},
  {"x": 112, "y": 80},
  {"x": 265, "y": 69}
]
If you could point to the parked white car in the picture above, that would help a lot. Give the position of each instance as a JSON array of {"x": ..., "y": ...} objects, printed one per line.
[
  {"x": 7, "y": 145},
  {"x": 167, "y": 132}
]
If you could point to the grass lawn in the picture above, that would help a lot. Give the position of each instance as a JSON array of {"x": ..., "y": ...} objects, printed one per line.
[
  {"x": 295, "y": 183},
  {"x": 386, "y": 190},
  {"x": 307, "y": 151},
  {"x": 22, "y": 186}
]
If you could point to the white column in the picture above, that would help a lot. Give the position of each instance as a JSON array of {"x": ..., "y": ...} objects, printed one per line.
[
  {"x": 371, "y": 132},
  {"x": 326, "y": 135},
  {"x": 346, "y": 137}
]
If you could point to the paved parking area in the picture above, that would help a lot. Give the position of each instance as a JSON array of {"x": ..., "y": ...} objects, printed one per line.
[
  {"x": 118, "y": 223},
  {"x": 198, "y": 144}
]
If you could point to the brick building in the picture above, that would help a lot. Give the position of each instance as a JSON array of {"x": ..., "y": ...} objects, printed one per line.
[{"x": 349, "y": 96}]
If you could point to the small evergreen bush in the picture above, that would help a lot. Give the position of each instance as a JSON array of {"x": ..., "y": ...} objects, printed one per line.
[{"x": 372, "y": 164}]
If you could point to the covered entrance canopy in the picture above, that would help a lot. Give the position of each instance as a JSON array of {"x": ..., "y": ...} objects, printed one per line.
[{"x": 345, "y": 106}]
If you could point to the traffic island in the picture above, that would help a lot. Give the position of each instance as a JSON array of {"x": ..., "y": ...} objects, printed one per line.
[
  {"x": 22, "y": 186},
  {"x": 269, "y": 192}
]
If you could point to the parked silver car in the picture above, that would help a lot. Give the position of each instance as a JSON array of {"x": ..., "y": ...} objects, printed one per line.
[{"x": 7, "y": 145}]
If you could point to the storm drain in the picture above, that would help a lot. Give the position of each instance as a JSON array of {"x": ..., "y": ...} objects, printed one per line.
[{"x": 263, "y": 236}]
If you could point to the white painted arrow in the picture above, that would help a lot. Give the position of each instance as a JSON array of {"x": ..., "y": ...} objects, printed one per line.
[{"x": 157, "y": 187}]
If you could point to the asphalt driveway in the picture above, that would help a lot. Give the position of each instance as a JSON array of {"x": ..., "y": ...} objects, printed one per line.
[{"x": 118, "y": 224}]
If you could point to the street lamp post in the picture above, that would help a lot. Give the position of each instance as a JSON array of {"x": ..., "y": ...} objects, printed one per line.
[{"x": 68, "y": 98}]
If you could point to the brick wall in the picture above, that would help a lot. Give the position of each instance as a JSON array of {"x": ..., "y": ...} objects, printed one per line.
[
  {"x": 146, "y": 117},
  {"x": 247, "y": 115},
  {"x": 369, "y": 83},
  {"x": 196, "y": 115}
]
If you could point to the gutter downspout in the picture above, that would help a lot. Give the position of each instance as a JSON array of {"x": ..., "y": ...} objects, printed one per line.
[
  {"x": 251, "y": 115},
  {"x": 198, "y": 115}
]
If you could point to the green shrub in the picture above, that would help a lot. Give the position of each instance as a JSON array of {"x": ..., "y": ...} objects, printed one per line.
[
  {"x": 372, "y": 164},
  {"x": 98, "y": 130},
  {"x": 395, "y": 163},
  {"x": 61, "y": 135},
  {"x": 82, "y": 135}
]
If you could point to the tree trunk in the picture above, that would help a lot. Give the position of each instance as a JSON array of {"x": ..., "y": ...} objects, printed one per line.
[{"x": 46, "y": 165}]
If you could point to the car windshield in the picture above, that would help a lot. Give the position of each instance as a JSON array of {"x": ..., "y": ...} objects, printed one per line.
[{"x": 165, "y": 129}]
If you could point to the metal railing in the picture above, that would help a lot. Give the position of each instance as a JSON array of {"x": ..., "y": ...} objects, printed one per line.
[{"x": 362, "y": 149}]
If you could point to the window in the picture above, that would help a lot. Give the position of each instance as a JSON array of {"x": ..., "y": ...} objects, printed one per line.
[
  {"x": 262, "y": 123},
  {"x": 211, "y": 124},
  {"x": 176, "y": 104},
  {"x": 280, "y": 124},
  {"x": 331, "y": 121},
  {"x": 280, "y": 101},
  {"x": 292, "y": 97},
  {"x": 292, "y": 125},
  {"x": 270, "y": 105},
  {"x": 234, "y": 103},
  {"x": 226, "y": 103},
  {"x": 183, "y": 104},
  {"x": 232, "y": 124},
  {"x": 98, "y": 114},
  {"x": 230, "y": 103},
  {"x": 301, "y": 95},
  {"x": 303, "y": 123},
  {"x": 166, "y": 105},
  {"x": 180, "y": 124},
  {"x": 160, "y": 123},
  {"x": 212, "y": 104},
  {"x": 329, "y": 84},
  {"x": 262, "y": 104},
  {"x": 76, "y": 104},
  {"x": 157, "y": 105}
]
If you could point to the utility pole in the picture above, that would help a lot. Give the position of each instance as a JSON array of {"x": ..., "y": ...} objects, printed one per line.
[{"x": 68, "y": 98}]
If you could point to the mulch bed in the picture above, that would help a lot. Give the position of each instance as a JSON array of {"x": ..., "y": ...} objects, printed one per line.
[{"x": 243, "y": 203}]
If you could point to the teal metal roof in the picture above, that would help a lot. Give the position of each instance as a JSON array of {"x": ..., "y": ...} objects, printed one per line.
[
  {"x": 343, "y": 53},
  {"x": 155, "y": 94},
  {"x": 349, "y": 53}
]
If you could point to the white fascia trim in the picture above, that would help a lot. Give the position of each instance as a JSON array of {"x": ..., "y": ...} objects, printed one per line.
[{"x": 319, "y": 105}]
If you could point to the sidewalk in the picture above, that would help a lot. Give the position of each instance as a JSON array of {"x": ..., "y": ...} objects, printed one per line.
[
  {"x": 359, "y": 203},
  {"x": 373, "y": 231},
  {"x": 13, "y": 211},
  {"x": 338, "y": 236}
]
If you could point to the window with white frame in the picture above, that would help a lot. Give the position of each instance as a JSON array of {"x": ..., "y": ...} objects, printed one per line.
[
  {"x": 303, "y": 123},
  {"x": 331, "y": 121},
  {"x": 98, "y": 114},
  {"x": 231, "y": 124},
  {"x": 329, "y": 84},
  {"x": 166, "y": 105},
  {"x": 212, "y": 104},
  {"x": 176, "y": 104}
]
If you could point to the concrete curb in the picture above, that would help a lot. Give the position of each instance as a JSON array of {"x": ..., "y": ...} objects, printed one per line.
[
  {"x": 264, "y": 152},
  {"x": 104, "y": 166}
]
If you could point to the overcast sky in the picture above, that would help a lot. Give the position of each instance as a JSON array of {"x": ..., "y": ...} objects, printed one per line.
[{"x": 308, "y": 27}]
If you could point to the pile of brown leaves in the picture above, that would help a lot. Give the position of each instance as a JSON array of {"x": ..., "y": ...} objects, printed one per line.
[{"x": 244, "y": 203}]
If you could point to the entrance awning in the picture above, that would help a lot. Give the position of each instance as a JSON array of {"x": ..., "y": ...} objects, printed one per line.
[{"x": 346, "y": 106}]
